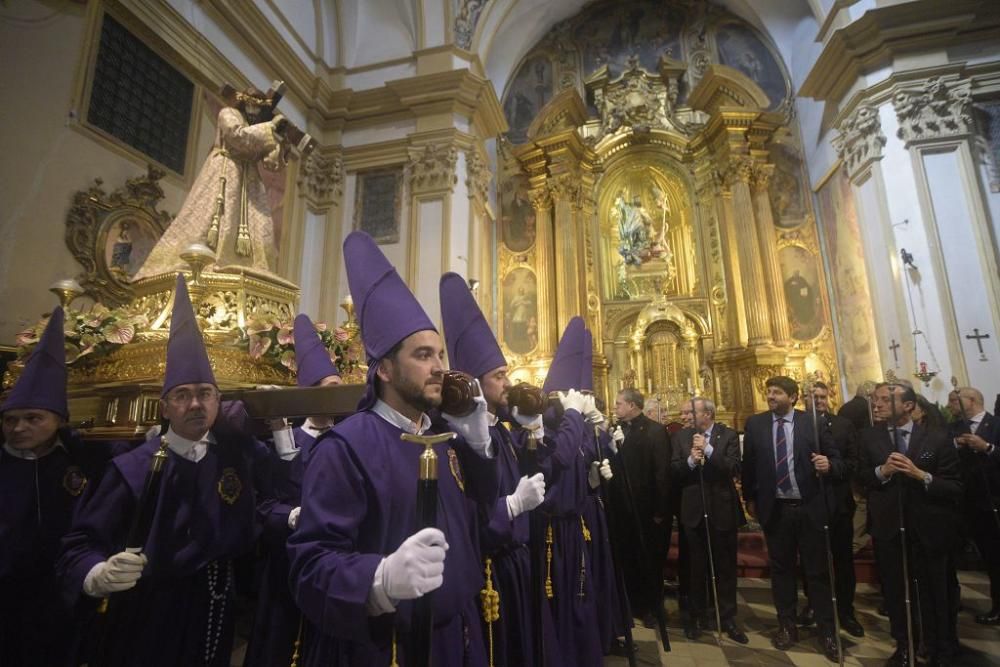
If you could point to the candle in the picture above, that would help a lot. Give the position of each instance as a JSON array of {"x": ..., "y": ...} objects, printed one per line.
[
  {"x": 649, "y": 385},
  {"x": 923, "y": 366},
  {"x": 690, "y": 386},
  {"x": 348, "y": 298}
]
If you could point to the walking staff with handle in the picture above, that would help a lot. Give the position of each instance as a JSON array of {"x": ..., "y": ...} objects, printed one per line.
[
  {"x": 708, "y": 540},
  {"x": 890, "y": 378}
]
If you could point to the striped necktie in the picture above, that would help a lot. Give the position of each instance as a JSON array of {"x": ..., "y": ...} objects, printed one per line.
[{"x": 781, "y": 457}]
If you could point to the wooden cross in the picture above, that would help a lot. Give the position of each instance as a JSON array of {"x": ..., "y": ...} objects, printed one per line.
[
  {"x": 978, "y": 337},
  {"x": 895, "y": 351}
]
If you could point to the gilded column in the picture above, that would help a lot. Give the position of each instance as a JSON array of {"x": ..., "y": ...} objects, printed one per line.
[
  {"x": 568, "y": 249},
  {"x": 691, "y": 360},
  {"x": 751, "y": 263},
  {"x": 780, "y": 329},
  {"x": 717, "y": 201},
  {"x": 311, "y": 250},
  {"x": 548, "y": 335}
]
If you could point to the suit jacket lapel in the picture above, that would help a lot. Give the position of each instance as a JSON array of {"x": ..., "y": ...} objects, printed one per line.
[
  {"x": 916, "y": 444},
  {"x": 985, "y": 426}
]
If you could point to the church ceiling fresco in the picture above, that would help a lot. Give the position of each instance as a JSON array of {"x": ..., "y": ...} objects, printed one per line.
[{"x": 608, "y": 34}]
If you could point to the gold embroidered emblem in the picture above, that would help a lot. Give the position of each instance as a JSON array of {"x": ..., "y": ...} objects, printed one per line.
[
  {"x": 230, "y": 486},
  {"x": 456, "y": 468},
  {"x": 74, "y": 481}
]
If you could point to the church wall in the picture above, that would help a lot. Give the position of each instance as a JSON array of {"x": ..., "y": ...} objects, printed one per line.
[{"x": 47, "y": 158}]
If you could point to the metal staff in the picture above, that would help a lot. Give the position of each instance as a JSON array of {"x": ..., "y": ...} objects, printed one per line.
[
  {"x": 661, "y": 615},
  {"x": 708, "y": 541},
  {"x": 616, "y": 564},
  {"x": 891, "y": 380},
  {"x": 982, "y": 470},
  {"x": 422, "y": 622},
  {"x": 826, "y": 529},
  {"x": 529, "y": 467}
]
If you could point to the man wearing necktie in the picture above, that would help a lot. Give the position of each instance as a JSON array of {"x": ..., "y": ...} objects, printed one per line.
[
  {"x": 897, "y": 453},
  {"x": 976, "y": 435},
  {"x": 782, "y": 464}
]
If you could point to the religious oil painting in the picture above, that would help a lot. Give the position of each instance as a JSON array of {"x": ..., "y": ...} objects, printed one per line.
[
  {"x": 377, "y": 204},
  {"x": 517, "y": 215},
  {"x": 614, "y": 32},
  {"x": 838, "y": 223},
  {"x": 520, "y": 311},
  {"x": 531, "y": 90},
  {"x": 741, "y": 49},
  {"x": 803, "y": 292},
  {"x": 788, "y": 199},
  {"x": 128, "y": 240}
]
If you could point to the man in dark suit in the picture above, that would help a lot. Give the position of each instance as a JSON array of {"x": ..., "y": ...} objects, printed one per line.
[
  {"x": 976, "y": 434},
  {"x": 906, "y": 466},
  {"x": 711, "y": 452},
  {"x": 643, "y": 452},
  {"x": 782, "y": 469},
  {"x": 845, "y": 439},
  {"x": 857, "y": 409}
]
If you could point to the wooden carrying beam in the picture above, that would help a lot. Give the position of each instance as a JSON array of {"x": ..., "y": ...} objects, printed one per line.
[{"x": 333, "y": 400}]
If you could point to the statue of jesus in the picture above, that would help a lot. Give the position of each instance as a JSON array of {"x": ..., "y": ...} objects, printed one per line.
[{"x": 227, "y": 207}]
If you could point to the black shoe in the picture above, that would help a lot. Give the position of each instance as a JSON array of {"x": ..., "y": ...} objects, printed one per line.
[
  {"x": 828, "y": 647},
  {"x": 734, "y": 633},
  {"x": 898, "y": 659},
  {"x": 851, "y": 626},
  {"x": 649, "y": 621},
  {"x": 785, "y": 637},
  {"x": 619, "y": 647},
  {"x": 806, "y": 617},
  {"x": 693, "y": 629},
  {"x": 992, "y": 617}
]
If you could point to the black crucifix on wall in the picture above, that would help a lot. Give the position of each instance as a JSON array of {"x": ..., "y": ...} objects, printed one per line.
[
  {"x": 978, "y": 337},
  {"x": 895, "y": 352}
]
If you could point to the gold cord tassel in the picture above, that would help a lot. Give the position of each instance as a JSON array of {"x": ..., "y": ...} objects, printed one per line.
[
  {"x": 212, "y": 237},
  {"x": 297, "y": 644},
  {"x": 586, "y": 531},
  {"x": 243, "y": 234},
  {"x": 490, "y": 599},
  {"x": 394, "y": 662},
  {"x": 549, "y": 540},
  {"x": 583, "y": 561}
]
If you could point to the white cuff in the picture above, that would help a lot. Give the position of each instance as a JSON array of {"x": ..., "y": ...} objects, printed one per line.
[
  {"x": 708, "y": 451},
  {"x": 88, "y": 581},
  {"x": 379, "y": 601},
  {"x": 879, "y": 476},
  {"x": 284, "y": 443},
  {"x": 293, "y": 517},
  {"x": 510, "y": 510}
]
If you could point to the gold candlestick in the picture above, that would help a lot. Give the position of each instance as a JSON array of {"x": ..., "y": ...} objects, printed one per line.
[
  {"x": 198, "y": 256},
  {"x": 67, "y": 291}
]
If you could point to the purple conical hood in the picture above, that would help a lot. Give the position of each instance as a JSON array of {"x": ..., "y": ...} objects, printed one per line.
[
  {"x": 311, "y": 356},
  {"x": 564, "y": 373},
  {"x": 587, "y": 367},
  {"x": 42, "y": 385},
  {"x": 187, "y": 359},
  {"x": 386, "y": 309},
  {"x": 472, "y": 347}
]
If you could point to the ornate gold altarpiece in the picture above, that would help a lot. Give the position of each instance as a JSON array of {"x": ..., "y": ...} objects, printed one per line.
[{"x": 685, "y": 194}]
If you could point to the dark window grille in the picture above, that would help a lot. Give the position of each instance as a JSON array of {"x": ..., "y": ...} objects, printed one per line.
[{"x": 139, "y": 98}]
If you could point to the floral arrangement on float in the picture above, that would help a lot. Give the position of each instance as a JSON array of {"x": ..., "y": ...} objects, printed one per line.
[
  {"x": 271, "y": 339},
  {"x": 89, "y": 334}
]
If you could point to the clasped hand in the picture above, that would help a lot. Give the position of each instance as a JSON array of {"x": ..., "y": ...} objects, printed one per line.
[{"x": 899, "y": 463}]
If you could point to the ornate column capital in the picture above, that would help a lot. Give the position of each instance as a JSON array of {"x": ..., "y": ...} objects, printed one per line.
[
  {"x": 320, "y": 180},
  {"x": 762, "y": 176},
  {"x": 567, "y": 188},
  {"x": 432, "y": 168},
  {"x": 541, "y": 199},
  {"x": 740, "y": 170},
  {"x": 860, "y": 141},
  {"x": 477, "y": 176},
  {"x": 938, "y": 109}
]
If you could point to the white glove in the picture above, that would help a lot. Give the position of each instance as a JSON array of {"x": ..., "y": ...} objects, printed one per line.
[
  {"x": 475, "y": 426},
  {"x": 532, "y": 424},
  {"x": 416, "y": 567},
  {"x": 598, "y": 470},
  {"x": 293, "y": 517},
  {"x": 590, "y": 411},
  {"x": 284, "y": 443},
  {"x": 528, "y": 495},
  {"x": 573, "y": 400},
  {"x": 118, "y": 573},
  {"x": 617, "y": 438}
]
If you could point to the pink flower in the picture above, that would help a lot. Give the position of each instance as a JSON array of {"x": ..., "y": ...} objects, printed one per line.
[
  {"x": 319, "y": 326},
  {"x": 259, "y": 345},
  {"x": 340, "y": 334},
  {"x": 285, "y": 336},
  {"x": 288, "y": 360},
  {"x": 26, "y": 337},
  {"x": 119, "y": 333}
]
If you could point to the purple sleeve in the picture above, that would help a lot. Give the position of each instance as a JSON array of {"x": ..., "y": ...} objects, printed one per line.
[
  {"x": 329, "y": 578},
  {"x": 564, "y": 443},
  {"x": 97, "y": 532},
  {"x": 482, "y": 482}
]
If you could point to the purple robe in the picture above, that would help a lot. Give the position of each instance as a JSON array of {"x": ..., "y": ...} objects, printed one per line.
[
  {"x": 358, "y": 505},
  {"x": 38, "y": 498},
  {"x": 570, "y": 626},
  {"x": 277, "y": 619},
  {"x": 181, "y": 612},
  {"x": 609, "y": 610}
]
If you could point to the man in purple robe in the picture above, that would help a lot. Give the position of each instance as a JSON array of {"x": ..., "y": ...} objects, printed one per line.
[
  {"x": 44, "y": 469},
  {"x": 172, "y": 602},
  {"x": 558, "y": 523},
  {"x": 473, "y": 349},
  {"x": 359, "y": 561},
  {"x": 278, "y": 623}
]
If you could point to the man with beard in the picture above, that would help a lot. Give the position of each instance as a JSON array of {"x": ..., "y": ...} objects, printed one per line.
[
  {"x": 173, "y": 603},
  {"x": 640, "y": 510},
  {"x": 277, "y": 619},
  {"x": 709, "y": 454},
  {"x": 504, "y": 525},
  {"x": 358, "y": 558},
  {"x": 782, "y": 464},
  {"x": 976, "y": 435},
  {"x": 44, "y": 470},
  {"x": 905, "y": 467},
  {"x": 845, "y": 439}
]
